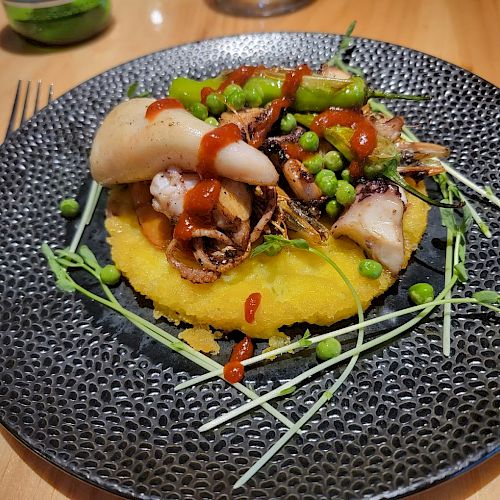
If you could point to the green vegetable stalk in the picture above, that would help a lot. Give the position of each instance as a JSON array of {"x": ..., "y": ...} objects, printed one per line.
[{"x": 315, "y": 92}]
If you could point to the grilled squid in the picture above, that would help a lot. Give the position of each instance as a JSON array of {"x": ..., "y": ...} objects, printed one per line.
[
  {"x": 219, "y": 248},
  {"x": 128, "y": 148},
  {"x": 375, "y": 222}
]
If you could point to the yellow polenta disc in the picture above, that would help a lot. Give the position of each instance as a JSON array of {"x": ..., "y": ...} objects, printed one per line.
[{"x": 296, "y": 286}]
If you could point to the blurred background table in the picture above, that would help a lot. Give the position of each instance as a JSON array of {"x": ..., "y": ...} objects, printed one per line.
[{"x": 464, "y": 32}]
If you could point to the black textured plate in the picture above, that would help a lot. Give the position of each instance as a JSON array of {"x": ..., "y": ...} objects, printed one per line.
[{"x": 86, "y": 390}]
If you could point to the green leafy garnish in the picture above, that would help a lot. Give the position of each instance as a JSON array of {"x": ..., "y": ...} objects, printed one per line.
[
  {"x": 89, "y": 257},
  {"x": 345, "y": 44},
  {"x": 288, "y": 391},
  {"x": 487, "y": 296},
  {"x": 390, "y": 171},
  {"x": 132, "y": 91},
  {"x": 63, "y": 281},
  {"x": 304, "y": 341},
  {"x": 460, "y": 272},
  {"x": 273, "y": 244}
]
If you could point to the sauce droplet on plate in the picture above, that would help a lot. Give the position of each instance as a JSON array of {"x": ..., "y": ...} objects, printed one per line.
[{"x": 233, "y": 369}]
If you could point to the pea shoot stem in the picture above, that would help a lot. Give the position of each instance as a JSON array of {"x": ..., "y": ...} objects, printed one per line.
[
  {"x": 88, "y": 212},
  {"x": 323, "y": 399},
  {"x": 154, "y": 331},
  {"x": 283, "y": 440},
  {"x": 374, "y": 93},
  {"x": 326, "y": 364},
  {"x": 334, "y": 333},
  {"x": 448, "y": 272},
  {"x": 477, "y": 218},
  {"x": 485, "y": 194}
]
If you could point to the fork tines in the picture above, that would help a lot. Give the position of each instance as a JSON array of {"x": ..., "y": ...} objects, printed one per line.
[{"x": 30, "y": 105}]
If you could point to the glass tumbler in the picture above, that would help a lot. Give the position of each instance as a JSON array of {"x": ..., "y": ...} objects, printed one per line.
[
  {"x": 257, "y": 8},
  {"x": 58, "y": 22}
]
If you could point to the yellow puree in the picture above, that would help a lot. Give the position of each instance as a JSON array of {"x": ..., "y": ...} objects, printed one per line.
[{"x": 296, "y": 286}]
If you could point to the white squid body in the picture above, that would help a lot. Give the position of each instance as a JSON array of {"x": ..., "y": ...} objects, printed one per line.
[{"x": 129, "y": 148}]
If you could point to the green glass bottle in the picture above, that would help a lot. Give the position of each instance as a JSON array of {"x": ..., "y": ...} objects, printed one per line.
[{"x": 58, "y": 22}]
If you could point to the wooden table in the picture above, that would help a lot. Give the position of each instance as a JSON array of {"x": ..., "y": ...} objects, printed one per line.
[{"x": 464, "y": 32}]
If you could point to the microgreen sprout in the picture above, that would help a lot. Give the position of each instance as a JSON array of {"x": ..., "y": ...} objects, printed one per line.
[
  {"x": 63, "y": 260},
  {"x": 390, "y": 170},
  {"x": 304, "y": 341},
  {"x": 132, "y": 91},
  {"x": 345, "y": 44},
  {"x": 455, "y": 269},
  {"x": 485, "y": 192},
  {"x": 88, "y": 212}
]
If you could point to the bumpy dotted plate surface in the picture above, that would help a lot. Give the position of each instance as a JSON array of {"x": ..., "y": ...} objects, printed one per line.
[{"x": 86, "y": 390}]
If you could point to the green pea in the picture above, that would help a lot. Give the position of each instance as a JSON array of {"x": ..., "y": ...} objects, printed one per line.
[
  {"x": 232, "y": 87},
  {"x": 333, "y": 161},
  {"x": 212, "y": 121},
  {"x": 199, "y": 110},
  {"x": 288, "y": 123},
  {"x": 216, "y": 104},
  {"x": 309, "y": 141},
  {"x": 236, "y": 100},
  {"x": 345, "y": 193},
  {"x": 345, "y": 175},
  {"x": 421, "y": 293},
  {"x": 328, "y": 349},
  {"x": 333, "y": 209},
  {"x": 314, "y": 163},
  {"x": 110, "y": 275},
  {"x": 254, "y": 96},
  {"x": 69, "y": 207},
  {"x": 370, "y": 268},
  {"x": 327, "y": 182}
]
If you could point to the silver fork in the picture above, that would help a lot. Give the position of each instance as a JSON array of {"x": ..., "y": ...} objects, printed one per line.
[{"x": 25, "y": 112}]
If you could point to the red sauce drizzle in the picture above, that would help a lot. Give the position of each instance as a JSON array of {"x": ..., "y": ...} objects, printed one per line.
[
  {"x": 233, "y": 369},
  {"x": 211, "y": 143},
  {"x": 242, "y": 350},
  {"x": 294, "y": 150},
  {"x": 160, "y": 105},
  {"x": 234, "y": 372},
  {"x": 199, "y": 203},
  {"x": 251, "y": 305},
  {"x": 364, "y": 139},
  {"x": 293, "y": 79},
  {"x": 288, "y": 91},
  {"x": 201, "y": 200},
  {"x": 355, "y": 169},
  {"x": 205, "y": 92},
  {"x": 239, "y": 76}
]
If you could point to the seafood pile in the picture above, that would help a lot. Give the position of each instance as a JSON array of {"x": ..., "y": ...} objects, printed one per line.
[{"x": 258, "y": 151}]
